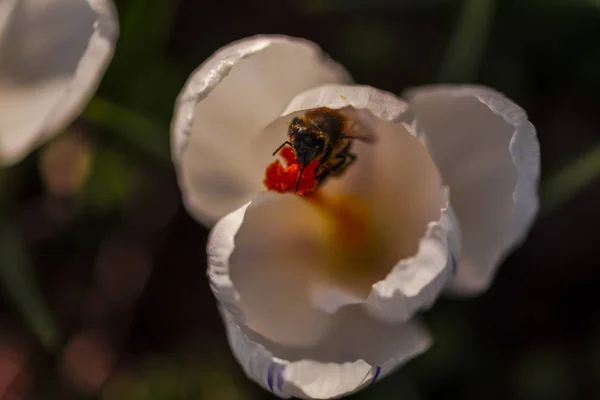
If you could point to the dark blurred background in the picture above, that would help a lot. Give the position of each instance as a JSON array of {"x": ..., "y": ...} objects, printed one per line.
[{"x": 104, "y": 288}]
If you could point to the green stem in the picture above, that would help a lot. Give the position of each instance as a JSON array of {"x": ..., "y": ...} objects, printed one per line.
[
  {"x": 142, "y": 132},
  {"x": 145, "y": 32},
  {"x": 571, "y": 180},
  {"x": 463, "y": 57},
  {"x": 18, "y": 282}
]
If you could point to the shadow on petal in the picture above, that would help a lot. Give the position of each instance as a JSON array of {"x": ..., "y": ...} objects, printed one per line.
[{"x": 488, "y": 154}]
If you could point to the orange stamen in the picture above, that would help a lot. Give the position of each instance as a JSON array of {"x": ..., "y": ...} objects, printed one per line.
[{"x": 283, "y": 179}]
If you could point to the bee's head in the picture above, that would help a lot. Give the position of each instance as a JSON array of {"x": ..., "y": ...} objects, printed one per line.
[{"x": 308, "y": 142}]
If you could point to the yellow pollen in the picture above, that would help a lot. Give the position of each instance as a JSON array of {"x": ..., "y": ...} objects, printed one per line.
[{"x": 354, "y": 247}]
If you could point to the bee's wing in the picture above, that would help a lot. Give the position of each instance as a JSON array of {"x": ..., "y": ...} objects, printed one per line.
[{"x": 355, "y": 131}]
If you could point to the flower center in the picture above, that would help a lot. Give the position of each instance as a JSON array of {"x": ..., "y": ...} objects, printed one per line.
[
  {"x": 354, "y": 246},
  {"x": 284, "y": 179}
]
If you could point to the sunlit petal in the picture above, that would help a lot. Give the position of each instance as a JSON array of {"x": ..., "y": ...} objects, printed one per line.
[
  {"x": 225, "y": 104},
  {"x": 262, "y": 276},
  {"x": 357, "y": 351},
  {"x": 53, "y": 54},
  {"x": 489, "y": 156},
  {"x": 262, "y": 259},
  {"x": 419, "y": 238}
]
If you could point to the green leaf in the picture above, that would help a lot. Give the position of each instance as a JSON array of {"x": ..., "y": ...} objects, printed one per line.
[
  {"x": 145, "y": 31},
  {"x": 569, "y": 181},
  {"x": 19, "y": 283},
  {"x": 141, "y": 56},
  {"x": 463, "y": 57},
  {"x": 145, "y": 134},
  {"x": 111, "y": 181}
]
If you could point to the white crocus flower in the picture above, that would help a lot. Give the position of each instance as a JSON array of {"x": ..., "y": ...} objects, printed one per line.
[
  {"x": 52, "y": 56},
  {"x": 319, "y": 294}
]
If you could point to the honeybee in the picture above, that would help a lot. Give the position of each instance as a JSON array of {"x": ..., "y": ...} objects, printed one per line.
[{"x": 323, "y": 134}]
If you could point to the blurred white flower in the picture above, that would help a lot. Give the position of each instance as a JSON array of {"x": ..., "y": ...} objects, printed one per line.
[
  {"x": 52, "y": 56},
  {"x": 319, "y": 293}
]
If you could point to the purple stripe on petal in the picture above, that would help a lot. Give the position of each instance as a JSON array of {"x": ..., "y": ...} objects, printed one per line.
[
  {"x": 280, "y": 378},
  {"x": 270, "y": 373},
  {"x": 377, "y": 372},
  {"x": 454, "y": 264}
]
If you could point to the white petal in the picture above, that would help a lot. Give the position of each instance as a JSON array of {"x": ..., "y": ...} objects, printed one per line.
[
  {"x": 261, "y": 260},
  {"x": 357, "y": 352},
  {"x": 330, "y": 298},
  {"x": 53, "y": 54},
  {"x": 399, "y": 179},
  {"x": 489, "y": 156},
  {"x": 225, "y": 104},
  {"x": 415, "y": 283}
]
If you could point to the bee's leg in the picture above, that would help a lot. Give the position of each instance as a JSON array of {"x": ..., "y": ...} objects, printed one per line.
[
  {"x": 346, "y": 160},
  {"x": 351, "y": 159},
  {"x": 281, "y": 147},
  {"x": 323, "y": 162},
  {"x": 326, "y": 156},
  {"x": 338, "y": 165},
  {"x": 327, "y": 169},
  {"x": 322, "y": 176},
  {"x": 341, "y": 161}
]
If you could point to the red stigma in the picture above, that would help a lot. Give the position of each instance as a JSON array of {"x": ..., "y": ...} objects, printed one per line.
[{"x": 283, "y": 179}]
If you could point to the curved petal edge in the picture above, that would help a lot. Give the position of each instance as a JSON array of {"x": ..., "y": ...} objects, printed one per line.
[
  {"x": 338, "y": 364},
  {"x": 415, "y": 283},
  {"x": 33, "y": 82},
  {"x": 228, "y": 100},
  {"x": 488, "y": 154},
  {"x": 310, "y": 379}
]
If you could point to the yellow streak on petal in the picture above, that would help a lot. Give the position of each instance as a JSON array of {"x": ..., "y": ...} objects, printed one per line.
[{"x": 354, "y": 245}]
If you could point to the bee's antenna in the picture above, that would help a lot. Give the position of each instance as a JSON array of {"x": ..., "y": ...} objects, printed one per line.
[
  {"x": 301, "y": 171},
  {"x": 281, "y": 147}
]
